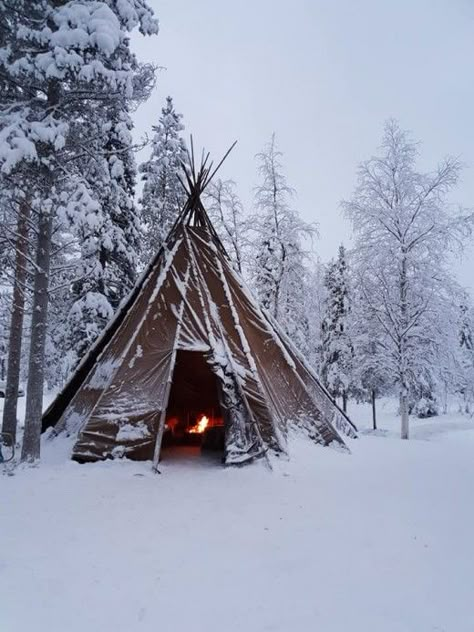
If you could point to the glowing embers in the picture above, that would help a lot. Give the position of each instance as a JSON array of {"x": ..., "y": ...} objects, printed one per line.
[{"x": 201, "y": 425}]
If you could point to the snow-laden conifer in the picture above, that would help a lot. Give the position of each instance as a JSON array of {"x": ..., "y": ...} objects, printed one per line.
[
  {"x": 107, "y": 229},
  {"x": 59, "y": 62},
  {"x": 163, "y": 195},
  {"x": 337, "y": 345},
  {"x": 465, "y": 385}
]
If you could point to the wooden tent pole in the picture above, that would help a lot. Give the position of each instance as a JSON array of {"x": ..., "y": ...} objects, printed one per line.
[
  {"x": 169, "y": 381},
  {"x": 219, "y": 165}
]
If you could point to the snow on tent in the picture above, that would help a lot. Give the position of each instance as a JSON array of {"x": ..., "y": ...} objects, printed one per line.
[{"x": 191, "y": 355}]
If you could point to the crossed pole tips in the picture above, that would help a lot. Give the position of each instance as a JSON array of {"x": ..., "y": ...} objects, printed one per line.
[
  {"x": 198, "y": 179},
  {"x": 194, "y": 184}
]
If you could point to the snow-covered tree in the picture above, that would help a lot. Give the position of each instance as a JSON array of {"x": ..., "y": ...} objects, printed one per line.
[
  {"x": 108, "y": 233},
  {"x": 314, "y": 310},
  {"x": 60, "y": 61},
  {"x": 405, "y": 231},
  {"x": 20, "y": 246},
  {"x": 65, "y": 259},
  {"x": 465, "y": 382},
  {"x": 227, "y": 214},
  {"x": 163, "y": 194},
  {"x": 4, "y": 329},
  {"x": 371, "y": 369},
  {"x": 279, "y": 271},
  {"x": 337, "y": 345},
  {"x": 16, "y": 246}
]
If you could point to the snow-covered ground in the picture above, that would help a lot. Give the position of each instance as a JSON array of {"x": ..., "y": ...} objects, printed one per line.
[{"x": 381, "y": 540}]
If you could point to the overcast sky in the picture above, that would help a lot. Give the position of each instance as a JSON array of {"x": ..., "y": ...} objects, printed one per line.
[{"x": 324, "y": 75}]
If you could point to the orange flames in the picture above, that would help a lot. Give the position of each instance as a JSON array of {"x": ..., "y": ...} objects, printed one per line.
[{"x": 200, "y": 426}]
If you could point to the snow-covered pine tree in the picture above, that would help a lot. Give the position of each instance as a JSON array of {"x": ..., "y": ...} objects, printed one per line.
[
  {"x": 279, "y": 260},
  {"x": 337, "y": 345},
  {"x": 108, "y": 233},
  {"x": 405, "y": 231},
  {"x": 65, "y": 258},
  {"x": 15, "y": 212},
  {"x": 227, "y": 214},
  {"x": 58, "y": 60},
  {"x": 163, "y": 195}
]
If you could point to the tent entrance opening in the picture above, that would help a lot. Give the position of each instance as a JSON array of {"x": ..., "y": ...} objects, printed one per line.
[{"x": 194, "y": 416}]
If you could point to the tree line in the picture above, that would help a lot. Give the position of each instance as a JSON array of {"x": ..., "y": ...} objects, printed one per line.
[{"x": 384, "y": 317}]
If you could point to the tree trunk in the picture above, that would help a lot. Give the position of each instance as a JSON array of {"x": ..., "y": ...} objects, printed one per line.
[
  {"x": 344, "y": 401},
  {"x": 374, "y": 411},
  {"x": 9, "y": 423},
  {"x": 404, "y": 412},
  {"x": 34, "y": 395}
]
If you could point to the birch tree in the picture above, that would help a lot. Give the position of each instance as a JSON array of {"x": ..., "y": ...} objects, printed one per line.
[
  {"x": 227, "y": 214},
  {"x": 405, "y": 231}
]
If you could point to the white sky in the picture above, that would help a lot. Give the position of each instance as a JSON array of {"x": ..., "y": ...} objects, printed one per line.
[{"x": 324, "y": 75}]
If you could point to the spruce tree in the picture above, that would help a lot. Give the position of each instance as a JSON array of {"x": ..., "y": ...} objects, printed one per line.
[
  {"x": 337, "y": 346},
  {"x": 108, "y": 234},
  {"x": 466, "y": 355},
  {"x": 163, "y": 195}
]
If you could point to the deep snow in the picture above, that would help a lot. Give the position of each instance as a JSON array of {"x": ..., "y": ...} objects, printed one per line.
[{"x": 377, "y": 541}]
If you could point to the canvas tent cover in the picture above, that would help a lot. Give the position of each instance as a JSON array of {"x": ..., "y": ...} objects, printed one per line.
[{"x": 191, "y": 299}]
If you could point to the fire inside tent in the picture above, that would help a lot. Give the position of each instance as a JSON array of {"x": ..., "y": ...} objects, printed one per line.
[{"x": 194, "y": 415}]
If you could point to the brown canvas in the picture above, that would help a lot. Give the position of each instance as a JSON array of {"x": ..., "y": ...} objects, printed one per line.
[{"x": 191, "y": 335}]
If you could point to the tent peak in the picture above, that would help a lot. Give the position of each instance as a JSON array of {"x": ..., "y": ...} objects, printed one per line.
[{"x": 196, "y": 179}]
